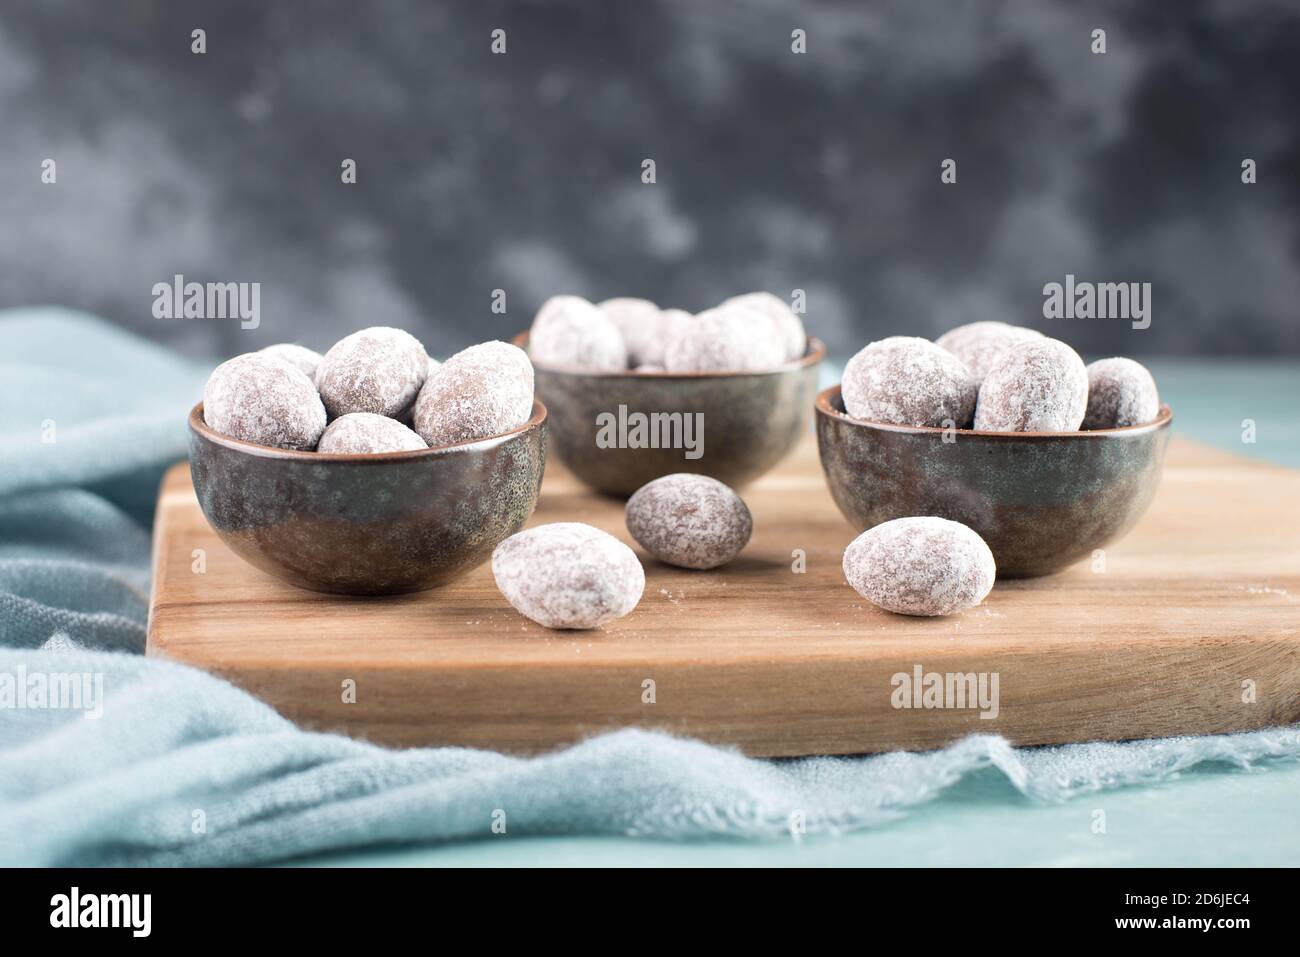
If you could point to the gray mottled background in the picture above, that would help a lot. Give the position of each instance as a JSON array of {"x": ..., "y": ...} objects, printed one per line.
[{"x": 775, "y": 170}]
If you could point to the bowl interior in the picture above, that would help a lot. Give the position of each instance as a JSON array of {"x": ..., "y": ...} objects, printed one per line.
[
  {"x": 830, "y": 401},
  {"x": 200, "y": 426},
  {"x": 814, "y": 353}
]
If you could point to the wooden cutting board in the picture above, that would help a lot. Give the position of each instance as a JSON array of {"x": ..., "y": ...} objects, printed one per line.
[{"x": 1193, "y": 626}]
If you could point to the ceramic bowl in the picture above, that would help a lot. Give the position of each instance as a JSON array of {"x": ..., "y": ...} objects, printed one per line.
[
  {"x": 367, "y": 524},
  {"x": 1042, "y": 500},
  {"x": 739, "y": 424}
]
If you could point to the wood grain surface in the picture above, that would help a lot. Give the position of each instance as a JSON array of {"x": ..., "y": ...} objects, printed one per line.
[{"x": 1195, "y": 613}]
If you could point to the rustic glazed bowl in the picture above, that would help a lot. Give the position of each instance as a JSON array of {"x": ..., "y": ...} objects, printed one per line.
[
  {"x": 367, "y": 524},
  {"x": 750, "y": 419},
  {"x": 1041, "y": 500}
]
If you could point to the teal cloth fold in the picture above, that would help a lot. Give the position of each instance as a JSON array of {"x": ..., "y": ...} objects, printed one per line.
[{"x": 162, "y": 764}]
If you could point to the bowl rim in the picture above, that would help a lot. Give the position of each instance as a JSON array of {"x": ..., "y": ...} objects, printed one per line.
[
  {"x": 200, "y": 427},
  {"x": 814, "y": 353},
  {"x": 825, "y": 408}
]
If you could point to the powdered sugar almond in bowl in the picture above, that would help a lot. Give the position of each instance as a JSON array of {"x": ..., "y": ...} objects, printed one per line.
[
  {"x": 481, "y": 391},
  {"x": 1037, "y": 386},
  {"x": 905, "y": 380},
  {"x": 259, "y": 398},
  {"x": 1121, "y": 393},
  {"x": 377, "y": 370}
]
